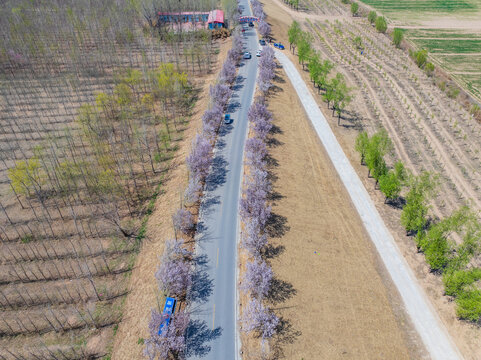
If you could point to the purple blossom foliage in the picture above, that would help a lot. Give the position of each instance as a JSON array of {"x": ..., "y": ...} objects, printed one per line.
[
  {"x": 228, "y": 72},
  {"x": 260, "y": 119},
  {"x": 256, "y": 151},
  {"x": 267, "y": 69},
  {"x": 199, "y": 159},
  {"x": 253, "y": 240},
  {"x": 174, "y": 272},
  {"x": 220, "y": 94},
  {"x": 213, "y": 116},
  {"x": 171, "y": 341},
  {"x": 174, "y": 276},
  {"x": 264, "y": 28},
  {"x": 183, "y": 220},
  {"x": 175, "y": 249},
  {"x": 192, "y": 192},
  {"x": 256, "y": 317},
  {"x": 237, "y": 46},
  {"x": 257, "y": 278},
  {"x": 257, "y": 8}
]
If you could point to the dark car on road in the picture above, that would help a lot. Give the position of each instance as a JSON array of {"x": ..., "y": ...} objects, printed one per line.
[
  {"x": 227, "y": 119},
  {"x": 262, "y": 42},
  {"x": 251, "y": 24},
  {"x": 247, "y": 55}
]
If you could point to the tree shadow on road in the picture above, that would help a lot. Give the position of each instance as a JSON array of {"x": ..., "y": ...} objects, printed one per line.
[
  {"x": 218, "y": 174},
  {"x": 198, "y": 335},
  {"x": 202, "y": 286}
]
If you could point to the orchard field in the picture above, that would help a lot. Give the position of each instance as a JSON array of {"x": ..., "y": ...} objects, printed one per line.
[
  {"x": 449, "y": 30},
  {"x": 429, "y": 131},
  {"x": 93, "y": 101}
]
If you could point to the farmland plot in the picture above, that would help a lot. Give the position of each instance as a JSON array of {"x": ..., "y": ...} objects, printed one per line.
[
  {"x": 458, "y": 52},
  {"x": 91, "y": 109},
  {"x": 429, "y": 130},
  {"x": 420, "y": 9}
]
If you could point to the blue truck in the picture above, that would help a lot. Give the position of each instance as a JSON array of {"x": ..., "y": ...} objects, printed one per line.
[{"x": 169, "y": 309}]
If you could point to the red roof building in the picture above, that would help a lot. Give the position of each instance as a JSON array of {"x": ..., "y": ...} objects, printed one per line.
[{"x": 188, "y": 20}]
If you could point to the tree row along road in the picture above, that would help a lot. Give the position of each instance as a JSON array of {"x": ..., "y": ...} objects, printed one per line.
[
  {"x": 431, "y": 330},
  {"x": 214, "y": 290}
]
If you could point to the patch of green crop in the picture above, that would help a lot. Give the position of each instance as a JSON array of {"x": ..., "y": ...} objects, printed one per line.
[
  {"x": 464, "y": 63},
  {"x": 455, "y": 46},
  {"x": 440, "y": 33},
  {"x": 446, "y": 6}
]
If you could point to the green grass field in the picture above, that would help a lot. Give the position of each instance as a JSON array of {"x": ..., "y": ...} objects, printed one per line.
[
  {"x": 456, "y": 51},
  {"x": 463, "y": 63},
  {"x": 454, "y": 46},
  {"x": 446, "y": 6}
]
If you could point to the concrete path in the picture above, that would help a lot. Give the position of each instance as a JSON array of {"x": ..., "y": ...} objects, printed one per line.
[
  {"x": 430, "y": 328},
  {"x": 212, "y": 333}
]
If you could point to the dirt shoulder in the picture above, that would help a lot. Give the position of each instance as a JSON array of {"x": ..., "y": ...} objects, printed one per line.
[
  {"x": 143, "y": 286},
  {"x": 329, "y": 289}
]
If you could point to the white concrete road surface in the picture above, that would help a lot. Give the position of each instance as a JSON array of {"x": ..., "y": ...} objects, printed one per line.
[{"x": 430, "y": 328}]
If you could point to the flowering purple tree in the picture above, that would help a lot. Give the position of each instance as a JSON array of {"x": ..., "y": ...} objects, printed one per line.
[
  {"x": 260, "y": 118},
  {"x": 183, "y": 221},
  {"x": 267, "y": 69},
  {"x": 257, "y": 278},
  {"x": 264, "y": 28},
  {"x": 175, "y": 249},
  {"x": 192, "y": 192},
  {"x": 174, "y": 277},
  {"x": 237, "y": 46},
  {"x": 228, "y": 72},
  {"x": 252, "y": 238},
  {"x": 253, "y": 206},
  {"x": 213, "y": 116},
  {"x": 171, "y": 341},
  {"x": 256, "y": 151},
  {"x": 256, "y": 317},
  {"x": 174, "y": 272},
  {"x": 220, "y": 94},
  {"x": 199, "y": 159}
]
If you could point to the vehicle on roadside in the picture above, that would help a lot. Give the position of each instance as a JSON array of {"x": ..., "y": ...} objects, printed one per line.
[
  {"x": 169, "y": 309},
  {"x": 262, "y": 42},
  {"x": 227, "y": 119},
  {"x": 279, "y": 46},
  {"x": 247, "y": 55},
  {"x": 258, "y": 53},
  {"x": 251, "y": 24}
]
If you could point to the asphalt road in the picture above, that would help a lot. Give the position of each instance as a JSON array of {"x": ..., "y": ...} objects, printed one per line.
[
  {"x": 430, "y": 328},
  {"x": 212, "y": 333}
]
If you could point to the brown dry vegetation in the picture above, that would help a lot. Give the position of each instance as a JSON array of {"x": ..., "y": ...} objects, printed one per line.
[
  {"x": 429, "y": 131},
  {"x": 66, "y": 255},
  {"x": 330, "y": 290}
]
